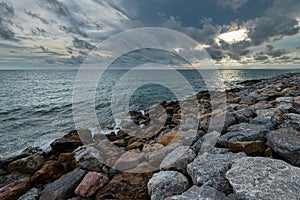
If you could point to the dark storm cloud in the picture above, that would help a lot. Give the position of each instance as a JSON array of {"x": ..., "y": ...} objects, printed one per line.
[
  {"x": 64, "y": 13},
  {"x": 81, "y": 44},
  {"x": 36, "y": 16},
  {"x": 6, "y": 14}
]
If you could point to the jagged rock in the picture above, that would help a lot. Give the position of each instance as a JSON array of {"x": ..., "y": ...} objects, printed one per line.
[
  {"x": 241, "y": 197},
  {"x": 268, "y": 121},
  {"x": 264, "y": 178},
  {"x": 167, "y": 183},
  {"x": 64, "y": 187},
  {"x": 27, "y": 165},
  {"x": 199, "y": 193},
  {"x": 243, "y": 132},
  {"x": 152, "y": 147},
  {"x": 128, "y": 160},
  {"x": 178, "y": 159},
  {"x": 15, "y": 189},
  {"x": 244, "y": 115},
  {"x": 50, "y": 170},
  {"x": 170, "y": 137},
  {"x": 67, "y": 160},
  {"x": 32, "y": 150},
  {"x": 32, "y": 194},
  {"x": 209, "y": 142},
  {"x": 210, "y": 169},
  {"x": 89, "y": 158},
  {"x": 91, "y": 183},
  {"x": 291, "y": 120},
  {"x": 10, "y": 178},
  {"x": 249, "y": 147},
  {"x": 286, "y": 143},
  {"x": 134, "y": 145},
  {"x": 272, "y": 112},
  {"x": 127, "y": 186},
  {"x": 155, "y": 158}
]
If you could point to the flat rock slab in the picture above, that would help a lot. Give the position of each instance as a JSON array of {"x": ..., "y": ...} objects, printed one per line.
[
  {"x": 211, "y": 169},
  {"x": 167, "y": 183},
  {"x": 264, "y": 178},
  {"x": 199, "y": 193},
  {"x": 286, "y": 143},
  {"x": 64, "y": 187},
  {"x": 244, "y": 132}
]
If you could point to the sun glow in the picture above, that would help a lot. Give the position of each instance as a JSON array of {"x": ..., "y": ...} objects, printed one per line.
[{"x": 234, "y": 36}]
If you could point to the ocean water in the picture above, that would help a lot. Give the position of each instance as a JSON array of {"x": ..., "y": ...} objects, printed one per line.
[{"x": 36, "y": 106}]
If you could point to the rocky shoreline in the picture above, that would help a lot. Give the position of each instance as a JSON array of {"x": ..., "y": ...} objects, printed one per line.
[{"x": 256, "y": 155}]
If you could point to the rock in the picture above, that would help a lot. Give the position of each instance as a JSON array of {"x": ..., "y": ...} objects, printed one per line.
[
  {"x": 268, "y": 121},
  {"x": 10, "y": 178},
  {"x": 32, "y": 150},
  {"x": 210, "y": 169},
  {"x": 64, "y": 187},
  {"x": 67, "y": 160},
  {"x": 127, "y": 186},
  {"x": 32, "y": 194},
  {"x": 264, "y": 178},
  {"x": 89, "y": 158},
  {"x": 241, "y": 197},
  {"x": 249, "y": 147},
  {"x": 244, "y": 115},
  {"x": 128, "y": 160},
  {"x": 243, "y": 132},
  {"x": 155, "y": 158},
  {"x": 209, "y": 142},
  {"x": 272, "y": 112},
  {"x": 27, "y": 165},
  {"x": 178, "y": 159},
  {"x": 134, "y": 145},
  {"x": 166, "y": 184},
  {"x": 49, "y": 171},
  {"x": 15, "y": 189},
  {"x": 170, "y": 137},
  {"x": 291, "y": 120},
  {"x": 66, "y": 144},
  {"x": 91, "y": 183},
  {"x": 198, "y": 193},
  {"x": 152, "y": 147},
  {"x": 286, "y": 143},
  {"x": 247, "y": 100}
]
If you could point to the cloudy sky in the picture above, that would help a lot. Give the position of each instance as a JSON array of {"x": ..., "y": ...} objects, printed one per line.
[{"x": 60, "y": 33}]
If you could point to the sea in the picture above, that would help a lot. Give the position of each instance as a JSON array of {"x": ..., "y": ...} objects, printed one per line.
[{"x": 36, "y": 105}]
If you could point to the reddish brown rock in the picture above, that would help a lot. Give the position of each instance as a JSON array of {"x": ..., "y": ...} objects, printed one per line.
[
  {"x": 249, "y": 147},
  {"x": 170, "y": 137},
  {"x": 126, "y": 186},
  {"x": 50, "y": 170},
  {"x": 15, "y": 190},
  {"x": 134, "y": 145},
  {"x": 67, "y": 160},
  {"x": 27, "y": 165},
  {"x": 92, "y": 182}
]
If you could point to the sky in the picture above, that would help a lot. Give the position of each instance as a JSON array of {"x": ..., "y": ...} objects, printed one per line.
[{"x": 61, "y": 33}]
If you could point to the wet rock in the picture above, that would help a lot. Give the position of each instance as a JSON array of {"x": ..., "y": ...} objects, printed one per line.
[
  {"x": 91, "y": 183},
  {"x": 166, "y": 184},
  {"x": 10, "y": 178},
  {"x": 243, "y": 132},
  {"x": 15, "y": 189},
  {"x": 197, "y": 193},
  {"x": 210, "y": 169},
  {"x": 64, "y": 187},
  {"x": 170, "y": 137},
  {"x": 66, "y": 144},
  {"x": 264, "y": 178},
  {"x": 32, "y": 150},
  {"x": 27, "y": 165},
  {"x": 49, "y": 171},
  {"x": 178, "y": 159},
  {"x": 127, "y": 186},
  {"x": 32, "y": 194},
  {"x": 249, "y": 147},
  {"x": 89, "y": 158},
  {"x": 67, "y": 160},
  {"x": 286, "y": 143}
]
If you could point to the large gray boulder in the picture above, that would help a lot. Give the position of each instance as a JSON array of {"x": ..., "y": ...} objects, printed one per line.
[
  {"x": 178, "y": 159},
  {"x": 264, "y": 178},
  {"x": 210, "y": 169},
  {"x": 286, "y": 143},
  {"x": 167, "y": 183},
  {"x": 199, "y": 193},
  {"x": 244, "y": 132}
]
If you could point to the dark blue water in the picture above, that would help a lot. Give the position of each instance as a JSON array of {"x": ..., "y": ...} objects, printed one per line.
[{"x": 36, "y": 106}]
